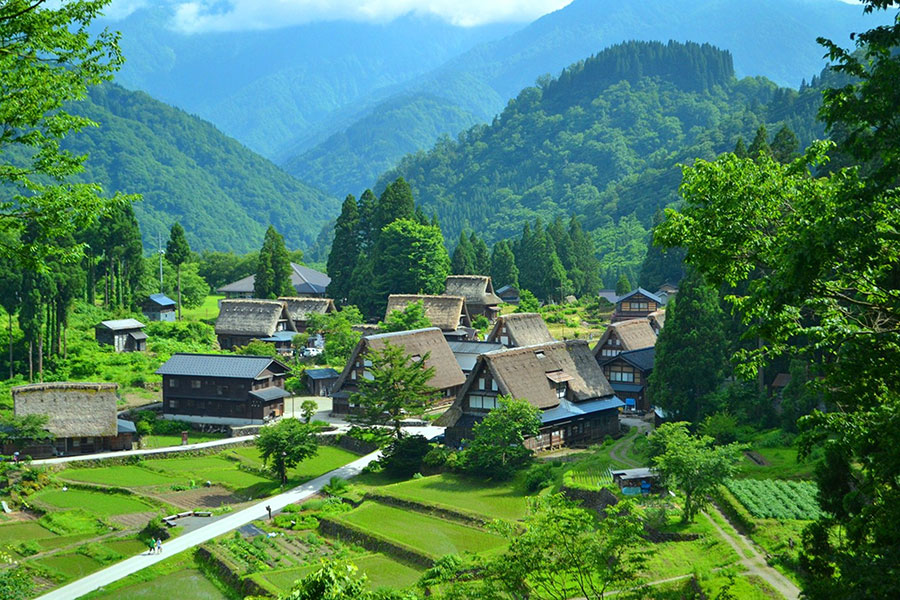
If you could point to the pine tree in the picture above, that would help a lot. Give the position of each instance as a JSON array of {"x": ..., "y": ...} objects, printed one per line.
[
  {"x": 690, "y": 351},
  {"x": 396, "y": 202},
  {"x": 463, "y": 261},
  {"x": 503, "y": 265},
  {"x": 760, "y": 143},
  {"x": 178, "y": 252},
  {"x": 785, "y": 145},
  {"x": 368, "y": 221},
  {"x": 273, "y": 269},
  {"x": 740, "y": 149},
  {"x": 481, "y": 255},
  {"x": 344, "y": 250}
]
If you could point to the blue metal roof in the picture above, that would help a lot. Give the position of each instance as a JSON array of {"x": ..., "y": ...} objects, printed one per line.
[
  {"x": 125, "y": 426},
  {"x": 217, "y": 365},
  {"x": 567, "y": 410},
  {"x": 280, "y": 336},
  {"x": 162, "y": 300},
  {"x": 328, "y": 373},
  {"x": 626, "y": 387}
]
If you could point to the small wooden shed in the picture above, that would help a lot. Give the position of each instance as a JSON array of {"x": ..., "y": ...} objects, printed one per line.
[{"x": 125, "y": 335}]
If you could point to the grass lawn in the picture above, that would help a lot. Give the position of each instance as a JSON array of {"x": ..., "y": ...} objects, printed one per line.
[
  {"x": 121, "y": 476},
  {"x": 20, "y": 532},
  {"x": 164, "y": 441},
  {"x": 126, "y": 547},
  {"x": 672, "y": 559},
  {"x": 430, "y": 535},
  {"x": 98, "y": 502},
  {"x": 71, "y": 566},
  {"x": 208, "y": 311},
  {"x": 327, "y": 459},
  {"x": 783, "y": 464},
  {"x": 772, "y": 536},
  {"x": 380, "y": 570},
  {"x": 504, "y": 500},
  {"x": 186, "y": 584}
]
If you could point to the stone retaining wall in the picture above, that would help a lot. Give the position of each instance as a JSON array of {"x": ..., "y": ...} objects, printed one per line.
[{"x": 336, "y": 529}]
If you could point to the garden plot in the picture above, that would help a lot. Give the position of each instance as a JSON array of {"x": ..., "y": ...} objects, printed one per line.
[
  {"x": 430, "y": 535},
  {"x": 776, "y": 499},
  {"x": 504, "y": 500}
]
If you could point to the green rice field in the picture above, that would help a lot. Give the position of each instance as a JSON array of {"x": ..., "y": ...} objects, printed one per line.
[
  {"x": 121, "y": 476},
  {"x": 97, "y": 502},
  {"x": 380, "y": 571},
  {"x": 504, "y": 500},
  {"x": 187, "y": 584}
]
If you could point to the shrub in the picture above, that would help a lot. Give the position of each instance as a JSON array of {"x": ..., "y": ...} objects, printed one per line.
[
  {"x": 335, "y": 486},
  {"x": 437, "y": 457},
  {"x": 404, "y": 456},
  {"x": 71, "y": 522},
  {"x": 154, "y": 529},
  {"x": 538, "y": 476},
  {"x": 27, "y": 548}
]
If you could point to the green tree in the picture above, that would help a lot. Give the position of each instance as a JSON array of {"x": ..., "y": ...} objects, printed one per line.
[
  {"x": 412, "y": 259},
  {"x": 503, "y": 265},
  {"x": 528, "y": 303},
  {"x": 740, "y": 148},
  {"x": 273, "y": 269},
  {"x": 785, "y": 145},
  {"x": 481, "y": 256},
  {"x": 692, "y": 464},
  {"x": 344, "y": 250},
  {"x": 178, "y": 252},
  {"x": 368, "y": 220},
  {"x": 398, "y": 388},
  {"x": 799, "y": 398},
  {"x": 27, "y": 428},
  {"x": 10, "y": 298},
  {"x": 396, "y": 202},
  {"x": 284, "y": 445},
  {"x": 308, "y": 409},
  {"x": 48, "y": 58},
  {"x": 257, "y": 348},
  {"x": 623, "y": 286},
  {"x": 463, "y": 261},
  {"x": 497, "y": 448},
  {"x": 338, "y": 580},
  {"x": 337, "y": 329},
  {"x": 690, "y": 351},
  {"x": 411, "y": 317},
  {"x": 760, "y": 144}
]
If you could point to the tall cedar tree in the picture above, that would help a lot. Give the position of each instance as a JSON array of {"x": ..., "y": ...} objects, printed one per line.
[
  {"x": 481, "y": 263},
  {"x": 661, "y": 265},
  {"x": 178, "y": 252},
  {"x": 396, "y": 202},
  {"x": 463, "y": 261},
  {"x": 10, "y": 299},
  {"x": 760, "y": 143},
  {"x": 690, "y": 351},
  {"x": 273, "y": 269},
  {"x": 397, "y": 389},
  {"x": 344, "y": 250},
  {"x": 503, "y": 265},
  {"x": 785, "y": 145},
  {"x": 368, "y": 221}
]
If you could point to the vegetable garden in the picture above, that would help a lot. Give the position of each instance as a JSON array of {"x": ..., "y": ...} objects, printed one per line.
[{"x": 776, "y": 499}]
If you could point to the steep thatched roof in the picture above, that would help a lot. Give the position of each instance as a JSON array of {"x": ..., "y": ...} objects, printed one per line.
[
  {"x": 447, "y": 313},
  {"x": 251, "y": 317},
  {"x": 634, "y": 334},
  {"x": 476, "y": 289},
  {"x": 74, "y": 409},
  {"x": 522, "y": 329},
  {"x": 531, "y": 373},
  {"x": 657, "y": 317},
  {"x": 414, "y": 343},
  {"x": 301, "y": 308}
]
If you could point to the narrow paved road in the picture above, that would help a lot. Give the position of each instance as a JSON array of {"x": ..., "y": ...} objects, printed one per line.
[{"x": 756, "y": 564}]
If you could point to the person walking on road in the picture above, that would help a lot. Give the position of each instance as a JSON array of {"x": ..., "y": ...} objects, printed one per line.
[{"x": 158, "y": 546}]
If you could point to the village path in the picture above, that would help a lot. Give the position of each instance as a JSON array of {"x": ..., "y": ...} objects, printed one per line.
[
  {"x": 113, "y": 573},
  {"x": 755, "y": 564},
  {"x": 619, "y": 451}
]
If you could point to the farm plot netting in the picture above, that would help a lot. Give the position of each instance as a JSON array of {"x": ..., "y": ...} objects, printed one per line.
[{"x": 776, "y": 499}]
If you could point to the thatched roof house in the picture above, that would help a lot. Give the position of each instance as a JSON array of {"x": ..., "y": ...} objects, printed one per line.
[
  {"x": 520, "y": 329},
  {"x": 562, "y": 379},
  {"x": 241, "y": 321},
  {"x": 447, "y": 313},
  {"x": 657, "y": 320},
  {"x": 448, "y": 376},
  {"x": 478, "y": 292},
  {"x": 300, "y": 308},
  {"x": 305, "y": 281},
  {"x": 624, "y": 336},
  {"x": 74, "y": 409}
]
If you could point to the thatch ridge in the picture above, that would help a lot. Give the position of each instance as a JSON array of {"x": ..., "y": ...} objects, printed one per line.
[
  {"x": 447, "y": 313},
  {"x": 523, "y": 329},
  {"x": 251, "y": 317},
  {"x": 476, "y": 289},
  {"x": 75, "y": 409},
  {"x": 634, "y": 334},
  {"x": 300, "y": 308},
  {"x": 658, "y": 317}
]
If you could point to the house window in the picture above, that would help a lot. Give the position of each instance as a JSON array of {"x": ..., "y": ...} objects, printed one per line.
[
  {"x": 561, "y": 390},
  {"x": 620, "y": 373},
  {"x": 609, "y": 352},
  {"x": 494, "y": 384},
  {"x": 368, "y": 375},
  {"x": 222, "y": 390},
  {"x": 477, "y": 401},
  {"x": 173, "y": 383},
  {"x": 481, "y": 385},
  {"x": 173, "y": 404},
  {"x": 195, "y": 384},
  {"x": 539, "y": 354},
  {"x": 353, "y": 375}
]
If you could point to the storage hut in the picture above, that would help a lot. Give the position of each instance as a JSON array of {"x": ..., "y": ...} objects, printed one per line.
[
  {"x": 300, "y": 309},
  {"x": 320, "y": 381},
  {"x": 159, "y": 307},
  {"x": 125, "y": 335},
  {"x": 478, "y": 292}
]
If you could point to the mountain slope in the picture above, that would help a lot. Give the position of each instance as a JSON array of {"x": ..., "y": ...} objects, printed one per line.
[
  {"x": 773, "y": 38},
  {"x": 602, "y": 141},
  {"x": 188, "y": 171}
]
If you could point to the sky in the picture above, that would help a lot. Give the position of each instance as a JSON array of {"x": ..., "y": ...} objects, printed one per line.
[{"x": 235, "y": 15}]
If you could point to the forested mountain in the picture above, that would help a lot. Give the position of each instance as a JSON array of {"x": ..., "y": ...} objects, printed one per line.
[
  {"x": 602, "y": 141},
  {"x": 188, "y": 171},
  {"x": 772, "y": 38},
  {"x": 272, "y": 88}
]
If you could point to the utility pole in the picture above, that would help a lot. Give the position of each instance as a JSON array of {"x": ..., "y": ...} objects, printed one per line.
[{"x": 159, "y": 251}]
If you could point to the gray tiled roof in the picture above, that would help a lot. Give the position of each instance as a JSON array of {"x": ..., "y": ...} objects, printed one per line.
[
  {"x": 303, "y": 279},
  {"x": 328, "y": 373},
  {"x": 641, "y": 290},
  {"x": 567, "y": 410},
  {"x": 270, "y": 393},
  {"x": 216, "y": 365}
]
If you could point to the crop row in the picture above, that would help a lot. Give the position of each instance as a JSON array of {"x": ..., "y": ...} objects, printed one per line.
[{"x": 776, "y": 499}]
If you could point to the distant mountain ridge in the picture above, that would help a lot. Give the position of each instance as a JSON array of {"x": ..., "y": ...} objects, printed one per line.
[{"x": 224, "y": 195}]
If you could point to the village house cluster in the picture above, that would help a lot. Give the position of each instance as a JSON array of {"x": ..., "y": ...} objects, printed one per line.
[{"x": 579, "y": 388}]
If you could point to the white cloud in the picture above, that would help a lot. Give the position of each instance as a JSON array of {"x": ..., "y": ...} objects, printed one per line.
[
  {"x": 119, "y": 9},
  {"x": 232, "y": 15}
]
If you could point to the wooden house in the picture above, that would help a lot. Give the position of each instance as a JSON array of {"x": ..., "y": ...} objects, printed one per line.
[
  {"x": 447, "y": 313},
  {"x": 628, "y": 372},
  {"x": 625, "y": 336},
  {"x": 467, "y": 352},
  {"x": 241, "y": 321},
  {"x": 447, "y": 378},
  {"x": 301, "y": 308},
  {"x": 306, "y": 282},
  {"x": 562, "y": 379},
  {"x": 520, "y": 329},
  {"x": 666, "y": 292},
  {"x": 159, "y": 307},
  {"x": 320, "y": 381},
  {"x": 509, "y": 294},
  {"x": 125, "y": 335},
  {"x": 82, "y": 416},
  {"x": 657, "y": 320},
  {"x": 223, "y": 389},
  {"x": 478, "y": 292},
  {"x": 636, "y": 305}
]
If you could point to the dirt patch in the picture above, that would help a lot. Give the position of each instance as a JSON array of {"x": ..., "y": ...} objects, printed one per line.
[
  {"x": 207, "y": 497},
  {"x": 133, "y": 520},
  {"x": 756, "y": 458}
]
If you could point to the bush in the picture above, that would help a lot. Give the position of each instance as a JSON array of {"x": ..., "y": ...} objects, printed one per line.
[
  {"x": 404, "y": 456},
  {"x": 335, "y": 486},
  {"x": 437, "y": 457},
  {"x": 538, "y": 476},
  {"x": 27, "y": 548},
  {"x": 154, "y": 529}
]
